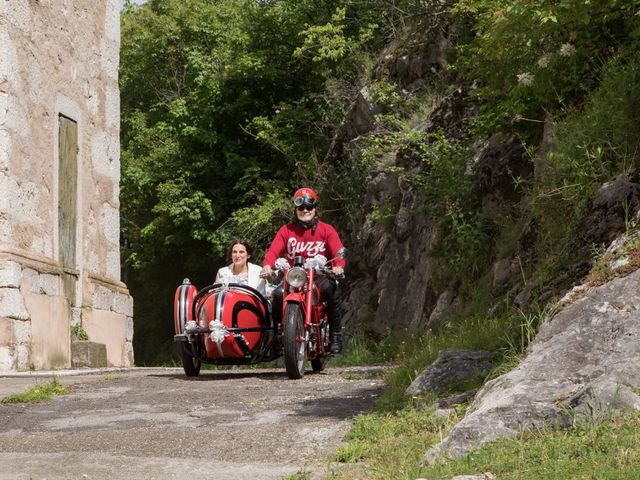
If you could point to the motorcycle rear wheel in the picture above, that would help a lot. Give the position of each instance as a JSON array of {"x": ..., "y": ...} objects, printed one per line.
[
  {"x": 295, "y": 345},
  {"x": 190, "y": 362}
]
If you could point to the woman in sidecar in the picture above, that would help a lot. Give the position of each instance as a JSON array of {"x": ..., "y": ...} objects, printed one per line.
[
  {"x": 227, "y": 323},
  {"x": 241, "y": 270}
]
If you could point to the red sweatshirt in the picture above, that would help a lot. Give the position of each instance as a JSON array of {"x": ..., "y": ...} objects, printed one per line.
[{"x": 294, "y": 240}]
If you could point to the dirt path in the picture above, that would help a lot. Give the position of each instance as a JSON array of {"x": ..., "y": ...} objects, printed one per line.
[{"x": 159, "y": 424}]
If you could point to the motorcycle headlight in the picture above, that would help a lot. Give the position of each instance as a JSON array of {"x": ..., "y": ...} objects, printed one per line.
[{"x": 296, "y": 277}]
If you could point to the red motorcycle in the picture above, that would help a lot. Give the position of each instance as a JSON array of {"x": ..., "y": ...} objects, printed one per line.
[{"x": 231, "y": 324}]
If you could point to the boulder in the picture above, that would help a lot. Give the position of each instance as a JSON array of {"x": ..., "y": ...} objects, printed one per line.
[
  {"x": 452, "y": 367},
  {"x": 583, "y": 362}
]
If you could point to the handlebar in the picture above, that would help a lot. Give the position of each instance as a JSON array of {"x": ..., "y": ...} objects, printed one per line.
[
  {"x": 329, "y": 272},
  {"x": 326, "y": 271}
]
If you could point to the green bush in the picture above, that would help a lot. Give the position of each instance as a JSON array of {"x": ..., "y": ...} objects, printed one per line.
[
  {"x": 79, "y": 333},
  {"x": 532, "y": 58},
  {"x": 590, "y": 145}
]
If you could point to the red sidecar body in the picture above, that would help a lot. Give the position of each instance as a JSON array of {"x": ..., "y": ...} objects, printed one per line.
[{"x": 222, "y": 324}]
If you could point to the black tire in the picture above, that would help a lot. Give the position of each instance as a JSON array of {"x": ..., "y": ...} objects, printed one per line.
[
  {"x": 190, "y": 362},
  {"x": 295, "y": 345},
  {"x": 318, "y": 363}
]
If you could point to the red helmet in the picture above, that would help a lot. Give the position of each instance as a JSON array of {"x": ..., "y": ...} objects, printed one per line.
[{"x": 305, "y": 195}]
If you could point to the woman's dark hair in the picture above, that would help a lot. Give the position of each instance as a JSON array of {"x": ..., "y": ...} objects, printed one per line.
[{"x": 243, "y": 243}]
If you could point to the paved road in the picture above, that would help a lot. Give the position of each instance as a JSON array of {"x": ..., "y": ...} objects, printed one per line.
[{"x": 159, "y": 424}]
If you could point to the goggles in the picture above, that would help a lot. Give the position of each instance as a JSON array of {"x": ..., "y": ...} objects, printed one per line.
[
  {"x": 304, "y": 201},
  {"x": 306, "y": 207}
]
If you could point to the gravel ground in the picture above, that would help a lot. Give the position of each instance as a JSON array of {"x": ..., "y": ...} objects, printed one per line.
[{"x": 159, "y": 424}]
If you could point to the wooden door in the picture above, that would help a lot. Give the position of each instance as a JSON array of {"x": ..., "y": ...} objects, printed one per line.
[{"x": 67, "y": 203}]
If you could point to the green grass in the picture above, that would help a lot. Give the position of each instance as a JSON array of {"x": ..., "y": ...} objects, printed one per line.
[
  {"x": 38, "y": 393},
  {"x": 388, "y": 445},
  {"x": 391, "y": 446},
  {"x": 385, "y": 446},
  {"x": 301, "y": 475},
  {"x": 607, "y": 450},
  {"x": 359, "y": 349}
]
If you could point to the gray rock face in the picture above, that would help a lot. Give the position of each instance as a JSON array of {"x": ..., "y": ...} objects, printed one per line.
[
  {"x": 607, "y": 217},
  {"x": 451, "y": 367},
  {"x": 584, "y": 361},
  {"x": 397, "y": 256},
  {"x": 503, "y": 271},
  {"x": 447, "y": 302},
  {"x": 499, "y": 163}
]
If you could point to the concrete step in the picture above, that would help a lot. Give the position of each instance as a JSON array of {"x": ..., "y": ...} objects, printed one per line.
[{"x": 88, "y": 354}]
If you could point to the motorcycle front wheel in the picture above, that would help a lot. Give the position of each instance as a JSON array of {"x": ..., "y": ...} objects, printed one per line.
[
  {"x": 295, "y": 344},
  {"x": 190, "y": 362}
]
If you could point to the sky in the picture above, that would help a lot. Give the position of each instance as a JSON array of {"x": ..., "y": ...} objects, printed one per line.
[{"x": 139, "y": 2}]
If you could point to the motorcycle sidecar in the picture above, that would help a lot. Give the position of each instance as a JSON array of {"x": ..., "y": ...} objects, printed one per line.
[{"x": 223, "y": 324}]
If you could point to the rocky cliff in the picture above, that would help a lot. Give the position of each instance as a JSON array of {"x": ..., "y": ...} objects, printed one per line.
[{"x": 582, "y": 361}]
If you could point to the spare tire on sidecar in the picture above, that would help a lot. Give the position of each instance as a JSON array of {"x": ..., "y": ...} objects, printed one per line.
[{"x": 223, "y": 324}]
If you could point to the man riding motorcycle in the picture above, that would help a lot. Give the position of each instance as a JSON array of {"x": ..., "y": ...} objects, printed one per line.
[{"x": 308, "y": 236}]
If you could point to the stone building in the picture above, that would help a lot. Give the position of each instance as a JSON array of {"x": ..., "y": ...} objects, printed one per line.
[{"x": 59, "y": 183}]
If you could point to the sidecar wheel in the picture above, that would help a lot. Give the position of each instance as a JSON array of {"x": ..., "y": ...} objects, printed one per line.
[
  {"x": 295, "y": 345},
  {"x": 190, "y": 362},
  {"x": 318, "y": 364}
]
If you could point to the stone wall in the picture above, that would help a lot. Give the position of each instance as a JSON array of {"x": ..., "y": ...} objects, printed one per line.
[{"x": 59, "y": 59}]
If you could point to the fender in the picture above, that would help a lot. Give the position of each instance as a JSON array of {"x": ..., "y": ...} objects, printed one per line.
[
  {"x": 183, "y": 305},
  {"x": 294, "y": 297}
]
